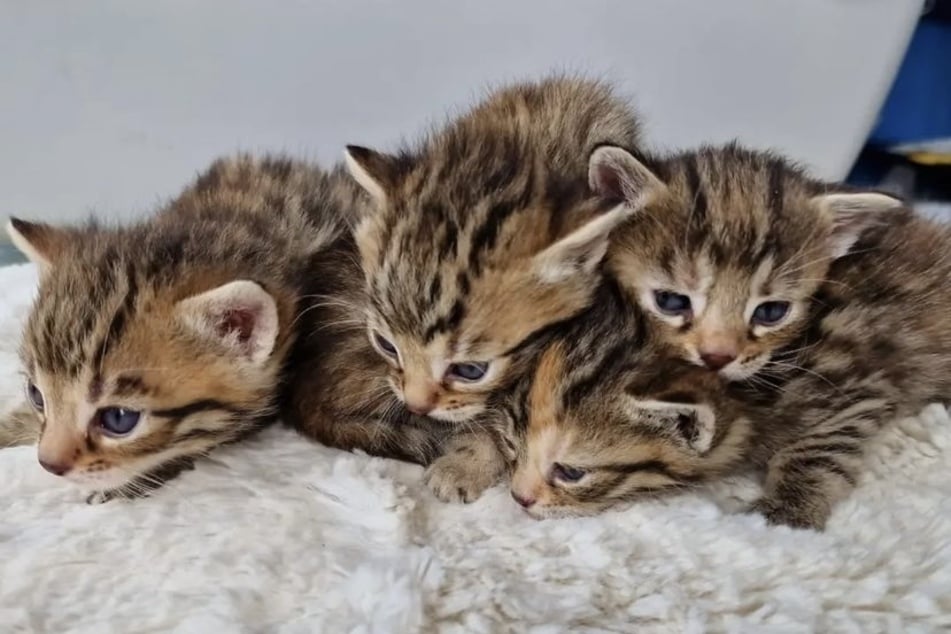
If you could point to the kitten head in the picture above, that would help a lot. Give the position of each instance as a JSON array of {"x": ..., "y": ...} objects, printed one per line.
[
  {"x": 729, "y": 247},
  {"x": 482, "y": 238},
  {"x": 625, "y": 438},
  {"x": 133, "y": 361}
]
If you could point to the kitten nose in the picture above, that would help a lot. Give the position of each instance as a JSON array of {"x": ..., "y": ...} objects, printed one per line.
[
  {"x": 420, "y": 409},
  {"x": 420, "y": 397},
  {"x": 56, "y": 468},
  {"x": 716, "y": 360},
  {"x": 523, "y": 502}
]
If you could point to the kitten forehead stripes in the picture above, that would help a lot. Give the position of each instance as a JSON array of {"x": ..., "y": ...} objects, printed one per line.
[{"x": 66, "y": 345}]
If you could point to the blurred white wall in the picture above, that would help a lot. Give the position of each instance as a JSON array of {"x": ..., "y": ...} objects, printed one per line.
[{"x": 111, "y": 105}]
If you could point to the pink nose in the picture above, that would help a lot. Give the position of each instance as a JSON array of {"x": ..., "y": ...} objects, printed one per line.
[
  {"x": 716, "y": 361},
  {"x": 523, "y": 502},
  {"x": 56, "y": 468},
  {"x": 420, "y": 409}
]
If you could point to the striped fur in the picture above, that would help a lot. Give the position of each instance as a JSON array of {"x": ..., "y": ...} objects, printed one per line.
[
  {"x": 610, "y": 400},
  {"x": 472, "y": 245},
  {"x": 114, "y": 323},
  {"x": 485, "y": 234},
  {"x": 866, "y": 339}
]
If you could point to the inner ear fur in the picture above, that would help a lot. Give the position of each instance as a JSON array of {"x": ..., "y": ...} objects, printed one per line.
[
  {"x": 617, "y": 175},
  {"x": 239, "y": 316},
  {"x": 692, "y": 423}
]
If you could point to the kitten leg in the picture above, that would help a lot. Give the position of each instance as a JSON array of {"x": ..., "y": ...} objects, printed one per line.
[
  {"x": 471, "y": 463},
  {"x": 806, "y": 478},
  {"x": 19, "y": 427}
]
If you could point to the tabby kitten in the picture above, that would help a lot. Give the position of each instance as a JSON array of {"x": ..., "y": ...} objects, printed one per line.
[
  {"x": 610, "y": 416},
  {"x": 730, "y": 247},
  {"x": 473, "y": 243},
  {"x": 150, "y": 345},
  {"x": 820, "y": 309}
]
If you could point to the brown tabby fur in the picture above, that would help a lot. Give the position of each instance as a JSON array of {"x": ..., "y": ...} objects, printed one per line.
[
  {"x": 449, "y": 253},
  {"x": 104, "y": 330},
  {"x": 455, "y": 264},
  {"x": 588, "y": 407},
  {"x": 867, "y": 341}
]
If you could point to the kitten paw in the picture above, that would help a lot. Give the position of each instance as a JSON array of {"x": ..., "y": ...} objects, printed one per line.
[
  {"x": 458, "y": 478},
  {"x": 101, "y": 497},
  {"x": 781, "y": 513}
]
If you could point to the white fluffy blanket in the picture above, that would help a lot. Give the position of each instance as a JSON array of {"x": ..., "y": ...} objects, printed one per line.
[{"x": 281, "y": 535}]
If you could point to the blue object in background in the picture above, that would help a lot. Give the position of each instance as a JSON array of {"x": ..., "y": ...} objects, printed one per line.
[{"x": 918, "y": 107}]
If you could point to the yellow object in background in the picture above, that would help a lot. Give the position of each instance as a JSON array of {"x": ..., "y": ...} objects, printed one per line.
[{"x": 929, "y": 158}]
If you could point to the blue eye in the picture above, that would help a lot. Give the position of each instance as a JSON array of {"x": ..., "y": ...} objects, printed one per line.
[
  {"x": 565, "y": 473},
  {"x": 468, "y": 371},
  {"x": 35, "y": 396},
  {"x": 385, "y": 344},
  {"x": 770, "y": 313},
  {"x": 116, "y": 421},
  {"x": 671, "y": 303}
]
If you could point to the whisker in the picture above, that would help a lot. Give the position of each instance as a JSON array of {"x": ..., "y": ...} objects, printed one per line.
[{"x": 794, "y": 366}]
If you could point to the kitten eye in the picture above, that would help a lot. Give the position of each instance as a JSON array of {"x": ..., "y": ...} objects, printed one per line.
[
  {"x": 473, "y": 371},
  {"x": 385, "y": 345},
  {"x": 770, "y": 313},
  {"x": 35, "y": 396},
  {"x": 671, "y": 303},
  {"x": 565, "y": 473},
  {"x": 116, "y": 421}
]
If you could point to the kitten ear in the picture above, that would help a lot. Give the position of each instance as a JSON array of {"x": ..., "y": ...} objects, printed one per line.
[
  {"x": 239, "y": 315},
  {"x": 852, "y": 214},
  {"x": 374, "y": 171},
  {"x": 614, "y": 174},
  {"x": 41, "y": 243},
  {"x": 581, "y": 251},
  {"x": 693, "y": 423}
]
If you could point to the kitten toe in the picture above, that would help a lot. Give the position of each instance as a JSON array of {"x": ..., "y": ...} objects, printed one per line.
[
  {"x": 100, "y": 497},
  {"x": 781, "y": 513},
  {"x": 453, "y": 479}
]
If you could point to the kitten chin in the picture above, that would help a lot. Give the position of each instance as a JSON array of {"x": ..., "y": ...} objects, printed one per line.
[{"x": 150, "y": 345}]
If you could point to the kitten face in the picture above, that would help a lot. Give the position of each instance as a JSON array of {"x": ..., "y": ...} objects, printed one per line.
[
  {"x": 134, "y": 378},
  {"x": 729, "y": 249},
  {"x": 148, "y": 401},
  {"x": 483, "y": 238},
  {"x": 447, "y": 357},
  {"x": 150, "y": 345},
  {"x": 582, "y": 456},
  {"x": 728, "y": 319}
]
